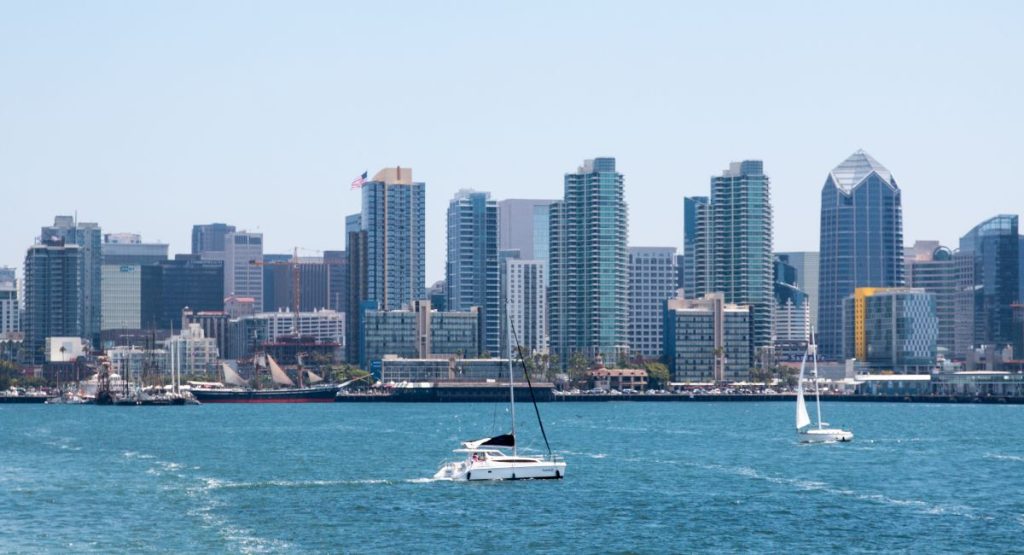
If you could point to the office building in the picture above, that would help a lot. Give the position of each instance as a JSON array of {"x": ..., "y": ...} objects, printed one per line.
[
  {"x": 652, "y": 282},
  {"x": 88, "y": 237},
  {"x": 10, "y": 305},
  {"x": 523, "y": 286},
  {"x": 792, "y": 320},
  {"x": 393, "y": 219},
  {"x": 931, "y": 267},
  {"x": 806, "y": 265},
  {"x": 993, "y": 249},
  {"x": 524, "y": 226},
  {"x": 419, "y": 332},
  {"x": 472, "y": 273},
  {"x": 279, "y": 284},
  {"x": 733, "y": 244},
  {"x": 396, "y": 370},
  {"x": 861, "y": 240},
  {"x": 173, "y": 285},
  {"x": 708, "y": 340},
  {"x": 589, "y": 265},
  {"x": 191, "y": 353},
  {"x": 128, "y": 248},
  {"x": 687, "y": 267},
  {"x": 243, "y": 273},
  {"x": 53, "y": 295},
  {"x": 210, "y": 238},
  {"x": 356, "y": 292},
  {"x": 337, "y": 280},
  {"x": 891, "y": 329}
]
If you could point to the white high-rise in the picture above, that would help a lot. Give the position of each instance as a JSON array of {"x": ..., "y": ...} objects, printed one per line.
[
  {"x": 524, "y": 287},
  {"x": 652, "y": 282}
]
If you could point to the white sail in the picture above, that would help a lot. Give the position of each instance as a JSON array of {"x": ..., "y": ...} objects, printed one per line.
[
  {"x": 802, "y": 418},
  {"x": 313, "y": 378},
  {"x": 232, "y": 377},
  {"x": 278, "y": 375}
]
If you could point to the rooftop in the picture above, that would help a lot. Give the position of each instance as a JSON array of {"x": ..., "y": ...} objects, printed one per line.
[{"x": 856, "y": 169}]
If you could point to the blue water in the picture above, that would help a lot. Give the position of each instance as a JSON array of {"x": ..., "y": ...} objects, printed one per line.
[{"x": 642, "y": 477}]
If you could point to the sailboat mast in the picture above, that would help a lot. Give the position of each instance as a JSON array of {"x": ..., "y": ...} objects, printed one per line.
[
  {"x": 511, "y": 387},
  {"x": 817, "y": 389}
]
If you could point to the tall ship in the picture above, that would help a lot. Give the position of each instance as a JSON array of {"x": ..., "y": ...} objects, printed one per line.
[{"x": 239, "y": 390}]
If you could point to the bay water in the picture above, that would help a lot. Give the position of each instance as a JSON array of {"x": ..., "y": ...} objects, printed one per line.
[{"x": 642, "y": 477}]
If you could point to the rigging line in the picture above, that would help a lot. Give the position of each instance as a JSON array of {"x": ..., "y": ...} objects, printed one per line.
[{"x": 529, "y": 383}]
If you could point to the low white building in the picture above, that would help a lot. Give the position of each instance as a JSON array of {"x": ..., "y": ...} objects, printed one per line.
[{"x": 191, "y": 352}]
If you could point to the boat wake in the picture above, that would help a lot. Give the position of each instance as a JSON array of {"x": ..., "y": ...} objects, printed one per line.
[
  {"x": 921, "y": 506},
  {"x": 1000, "y": 457}
]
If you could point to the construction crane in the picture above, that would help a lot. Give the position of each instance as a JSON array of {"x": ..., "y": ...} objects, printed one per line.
[{"x": 295, "y": 265}]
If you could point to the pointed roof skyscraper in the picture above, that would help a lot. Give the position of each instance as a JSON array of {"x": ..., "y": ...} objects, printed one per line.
[{"x": 855, "y": 169}]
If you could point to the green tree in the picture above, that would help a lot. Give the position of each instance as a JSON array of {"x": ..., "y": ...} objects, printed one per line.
[
  {"x": 658, "y": 376},
  {"x": 578, "y": 366}
]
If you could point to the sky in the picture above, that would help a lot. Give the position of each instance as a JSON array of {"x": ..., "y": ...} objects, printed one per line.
[{"x": 149, "y": 117}]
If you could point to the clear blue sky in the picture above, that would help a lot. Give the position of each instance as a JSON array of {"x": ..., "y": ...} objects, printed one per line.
[{"x": 151, "y": 116}]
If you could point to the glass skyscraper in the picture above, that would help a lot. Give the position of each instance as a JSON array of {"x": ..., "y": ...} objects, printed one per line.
[
  {"x": 89, "y": 237},
  {"x": 589, "y": 265},
  {"x": 472, "y": 272},
  {"x": 53, "y": 295},
  {"x": 392, "y": 216},
  {"x": 861, "y": 240},
  {"x": 733, "y": 244},
  {"x": 686, "y": 268},
  {"x": 993, "y": 247}
]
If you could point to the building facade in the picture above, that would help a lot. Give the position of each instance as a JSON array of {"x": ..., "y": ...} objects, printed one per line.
[
  {"x": 708, "y": 340},
  {"x": 792, "y": 319},
  {"x": 10, "y": 306},
  {"x": 589, "y": 265},
  {"x": 806, "y": 264},
  {"x": 191, "y": 352},
  {"x": 419, "y": 332},
  {"x": 524, "y": 226},
  {"x": 472, "y": 272},
  {"x": 652, "y": 282},
  {"x": 733, "y": 251},
  {"x": 210, "y": 237},
  {"x": 932, "y": 267},
  {"x": 687, "y": 267},
  {"x": 243, "y": 273},
  {"x": 53, "y": 296},
  {"x": 861, "y": 240},
  {"x": 88, "y": 236},
  {"x": 173, "y": 285},
  {"x": 393, "y": 219},
  {"x": 893, "y": 329},
  {"x": 993, "y": 249},
  {"x": 128, "y": 248},
  {"x": 523, "y": 287}
]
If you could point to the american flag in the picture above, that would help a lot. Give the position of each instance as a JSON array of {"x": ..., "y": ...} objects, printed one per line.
[{"x": 358, "y": 182}]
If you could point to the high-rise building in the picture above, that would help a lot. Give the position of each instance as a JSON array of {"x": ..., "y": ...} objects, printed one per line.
[
  {"x": 10, "y": 305},
  {"x": 210, "y": 237},
  {"x": 806, "y": 265},
  {"x": 891, "y": 328},
  {"x": 173, "y": 285},
  {"x": 53, "y": 295},
  {"x": 243, "y": 275},
  {"x": 279, "y": 285},
  {"x": 861, "y": 240},
  {"x": 355, "y": 252},
  {"x": 931, "y": 267},
  {"x": 733, "y": 244},
  {"x": 87, "y": 236},
  {"x": 652, "y": 282},
  {"x": 688, "y": 278},
  {"x": 524, "y": 292},
  {"x": 524, "y": 226},
  {"x": 472, "y": 273},
  {"x": 993, "y": 247},
  {"x": 792, "y": 320},
  {"x": 393, "y": 219},
  {"x": 337, "y": 280},
  {"x": 707, "y": 339},
  {"x": 589, "y": 265},
  {"x": 128, "y": 248}
]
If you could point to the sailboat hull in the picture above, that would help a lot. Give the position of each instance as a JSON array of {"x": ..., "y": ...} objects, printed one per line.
[
  {"x": 825, "y": 435},
  {"x": 492, "y": 471},
  {"x": 296, "y": 395}
]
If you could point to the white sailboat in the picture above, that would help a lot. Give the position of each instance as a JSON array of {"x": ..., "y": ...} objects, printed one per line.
[
  {"x": 486, "y": 459},
  {"x": 805, "y": 431}
]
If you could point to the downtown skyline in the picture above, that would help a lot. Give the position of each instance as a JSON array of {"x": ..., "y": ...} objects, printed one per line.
[{"x": 215, "y": 114}]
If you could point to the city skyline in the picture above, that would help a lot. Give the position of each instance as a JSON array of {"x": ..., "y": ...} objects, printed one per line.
[{"x": 105, "y": 130}]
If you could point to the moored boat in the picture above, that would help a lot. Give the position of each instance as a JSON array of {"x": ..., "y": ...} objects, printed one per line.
[{"x": 240, "y": 392}]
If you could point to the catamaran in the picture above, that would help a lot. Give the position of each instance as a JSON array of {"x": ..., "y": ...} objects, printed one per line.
[
  {"x": 487, "y": 458},
  {"x": 807, "y": 433}
]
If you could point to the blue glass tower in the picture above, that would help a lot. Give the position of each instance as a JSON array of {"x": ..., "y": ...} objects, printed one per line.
[
  {"x": 589, "y": 265},
  {"x": 993, "y": 245},
  {"x": 392, "y": 216},
  {"x": 861, "y": 240},
  {"x": 472, "y": 272}
]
